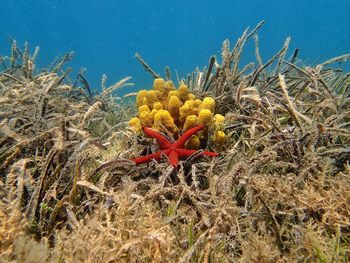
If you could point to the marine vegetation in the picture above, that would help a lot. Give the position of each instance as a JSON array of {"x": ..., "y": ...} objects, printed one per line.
[{"x": 279, "y": 191}]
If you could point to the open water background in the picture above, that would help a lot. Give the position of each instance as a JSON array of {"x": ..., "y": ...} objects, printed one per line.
[{"x": 183, "y": 34}]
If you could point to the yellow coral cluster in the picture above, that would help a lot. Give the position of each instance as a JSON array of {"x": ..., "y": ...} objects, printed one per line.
[{"x": 177, "y": 110}]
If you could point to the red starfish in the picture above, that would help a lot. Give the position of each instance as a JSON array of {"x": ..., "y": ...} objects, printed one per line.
[{"x": 175, "y": 150}]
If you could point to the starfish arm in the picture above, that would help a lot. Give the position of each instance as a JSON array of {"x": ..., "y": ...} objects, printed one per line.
[
  {"x": 210, "y": 153},
  {"x": 184, "y": 137},
  {"x": 174, "y": 158},
  {"x": 162, "y": 141},
  {"x": 148, "y": 158},
  {"x": 186, "y": 153}
]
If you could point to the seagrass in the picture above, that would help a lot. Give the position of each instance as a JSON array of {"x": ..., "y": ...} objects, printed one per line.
[{"x": 279, "y": 192}]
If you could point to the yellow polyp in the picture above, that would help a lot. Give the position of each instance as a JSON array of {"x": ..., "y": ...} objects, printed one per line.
[
  {"x": 164, "y": 103},
  {"x": 151, "y": 98},
  {"x": 174, "y": 105},
  {"x": 157, "y": 106},
  {"x": 135, "y": 124},
  {"x": 190, "y": 122},
  {"x": 152, "y": 114},
  {"x": 184, "y": 112},
  {"x": 169, "y": 85},
  {"x": 144, "y": 108},
  {"x": 219, "y": 137},
  {"x": 145, "y": 119},
  {"x": 159, "y": 87},
  {"x": 173, "y": 93},
  {"x": 141, "y": 95},
  {"x": 208, "y": 104},
  {"x": 183, "y": 92},
  {"x": 192, "y": 109},
  {"x": 163, "y": 117},
  {"x": 193, "y": 143},
  {"x": 191, "y": 96},
  {"x": 189, "y": 103},
  {"x": 159, "y": 84},
  {"x": 159, "y": 94},
  {"x": 205, "y": 117},
  {"x": 219, "y": 120},
  {"x": 197, "y": 103}
]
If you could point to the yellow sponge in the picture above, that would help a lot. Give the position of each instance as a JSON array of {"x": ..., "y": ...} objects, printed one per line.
[
  {"x": 205, "y": 117},
  {"x": 151, "y": 98},
  {"x": 135, "y": 124},
  {"x": 144, "y": 108},
  {"x": 191, "y": 106},
  {"x": 145, "y": 119},
  {"x": 208, "y": 104},
  {"x": 159, "y": 84},
  {"x": 173, "y": 93},
  {"x": 174, "y": 105},
  {"x": 157, "y": 106},
  {"x": 152, "y": 114},
  {"x": 167, "y": 108},
  {"x": 193, "y": 143},
  {"x": 169, "y": 85},
  {"x": 190, "y": 122},
  {"x": 191, "y": 96},
  {"x": 184, "y": 112},
  {"x": 183, "y": 92},
  {"x": 163, "y": 117},
  {"x": 219, "y": 137},
  {"x": 197, "y": 103},
  {"x": 219, "y": 120},
  {"x": 141, "y": 95}
]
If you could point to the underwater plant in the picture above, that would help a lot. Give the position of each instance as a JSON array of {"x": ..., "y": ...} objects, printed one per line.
[{"x": 278, "y": 193}]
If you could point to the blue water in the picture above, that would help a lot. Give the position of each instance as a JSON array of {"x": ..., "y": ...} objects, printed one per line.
[{"x": 183, "y": 34}]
